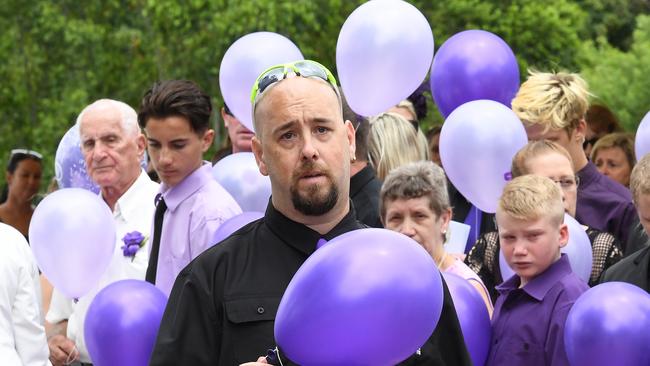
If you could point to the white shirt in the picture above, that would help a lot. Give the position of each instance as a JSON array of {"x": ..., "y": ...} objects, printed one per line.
[
  {"x": 22, "y": 336},
  {"x": 133, "y": 212}
]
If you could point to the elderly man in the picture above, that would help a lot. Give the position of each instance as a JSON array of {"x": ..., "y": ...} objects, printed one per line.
[
  {"x": 223, "y": 304},
  {"x": 112, "y": 145}
]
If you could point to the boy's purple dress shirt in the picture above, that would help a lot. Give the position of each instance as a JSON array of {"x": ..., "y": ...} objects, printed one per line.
[
  {"x": 528, "y": 322},
  {"x": 196, "y": 207},
  {"x": 604, "y": 204}
]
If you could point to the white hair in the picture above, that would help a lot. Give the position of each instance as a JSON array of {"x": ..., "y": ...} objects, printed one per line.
[{"x": 129, "y": 118}]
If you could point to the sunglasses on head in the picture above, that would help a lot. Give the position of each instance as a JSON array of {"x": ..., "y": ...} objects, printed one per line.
[
  {"x": 304, "y": 68},
  {"x": 27, "y": 152}
]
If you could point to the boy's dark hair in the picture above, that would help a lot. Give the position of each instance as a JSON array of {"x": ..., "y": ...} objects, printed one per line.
[{"x": 182, "y": 98}]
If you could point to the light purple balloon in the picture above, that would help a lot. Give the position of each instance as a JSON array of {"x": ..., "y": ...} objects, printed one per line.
[
  {"x": 477, "y": 143},
  {"x": 72, "y": 235},
  {"x": 122, "y": 323},
  {"x": 642, "y": 138},
  {"x": 578, "y": 249},
  {"x": 69, "y": 166},
  {"x": 473, "y": 65},
  {"x": 243, "y": 63},
  {"x": 240, "y": 176},
  {"x": 608, "y": 325},
  {"x": 350, "y": 299},
  {"x": 235, "y": 223},
  {"x": 383, "y": 54},
  {"x": 473, "y": 317}
]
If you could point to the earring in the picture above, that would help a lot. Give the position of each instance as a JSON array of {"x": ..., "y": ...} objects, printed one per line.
[{"x": 354, "y": 159}]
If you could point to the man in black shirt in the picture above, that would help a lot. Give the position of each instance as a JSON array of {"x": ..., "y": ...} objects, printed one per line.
[
  {"x": 364, "y": 185},
  {"x": 223, "y": 304}
]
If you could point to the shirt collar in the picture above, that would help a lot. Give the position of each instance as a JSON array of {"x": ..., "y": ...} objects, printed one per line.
[
  {"x": 360, "y": 179},
  {"x": 588, "y": 174},
  {"x": 129, "y": 203},
  {"x": 302, "y": 237},
  {"x": 539, "y": 286},
  {"x": 174, "y": 196}
]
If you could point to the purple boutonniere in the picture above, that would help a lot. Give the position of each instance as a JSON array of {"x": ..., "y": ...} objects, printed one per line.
[{"x": 133, "y": 241}]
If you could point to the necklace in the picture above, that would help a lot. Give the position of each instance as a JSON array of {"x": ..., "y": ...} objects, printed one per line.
[{"x": 441, "y": 260}]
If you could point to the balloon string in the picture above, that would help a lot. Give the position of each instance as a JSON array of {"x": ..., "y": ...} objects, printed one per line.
[{"x": 71, "y": 356}]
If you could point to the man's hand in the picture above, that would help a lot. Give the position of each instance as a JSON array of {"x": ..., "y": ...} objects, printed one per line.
[
  {"x": 260, "y": 361},
  {"x": 62, "y": 350}
]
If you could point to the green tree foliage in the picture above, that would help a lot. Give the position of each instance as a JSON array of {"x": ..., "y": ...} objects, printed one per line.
[
  {"x": 59, "y": 56},
  {"x": 620, "y": 79}
]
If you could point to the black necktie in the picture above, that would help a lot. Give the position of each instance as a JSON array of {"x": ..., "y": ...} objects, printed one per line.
[{"x": 161, "y": 207}]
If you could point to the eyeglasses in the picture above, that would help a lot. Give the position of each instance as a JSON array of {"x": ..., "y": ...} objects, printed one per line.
[
  {"x": 567, "y": 183},
  {"x": 27, "y": 152},
  {"x": 304, "y": 68}
]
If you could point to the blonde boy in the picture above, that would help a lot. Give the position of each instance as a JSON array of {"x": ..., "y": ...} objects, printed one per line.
[
  {"x": 552, "y": 106},
  {"x": 529, "y": 316},
  {"x": 634, "y": 268}
]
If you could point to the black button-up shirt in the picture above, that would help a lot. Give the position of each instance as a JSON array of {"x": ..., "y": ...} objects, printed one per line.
[
  {"x": 223, "y": 304},
  {"x": 364, "y": 192}
]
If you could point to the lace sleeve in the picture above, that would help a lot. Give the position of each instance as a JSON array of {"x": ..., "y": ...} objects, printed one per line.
[
  {"x": 606, "y": 252},
  {"x": 483, "y": 260}
]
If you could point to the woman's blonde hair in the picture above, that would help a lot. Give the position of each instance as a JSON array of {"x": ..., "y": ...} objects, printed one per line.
[
  {"x": 554, "y": 100},
  {"x": 622, "y": 140},
  {"x": 393, "y": 142},
  {"x": 532, "y": 150}
]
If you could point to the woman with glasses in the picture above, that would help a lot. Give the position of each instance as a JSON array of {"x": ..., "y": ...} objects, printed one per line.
[
  {"x": 550, "y": 160},
  {"x": 23, "y": 177}
]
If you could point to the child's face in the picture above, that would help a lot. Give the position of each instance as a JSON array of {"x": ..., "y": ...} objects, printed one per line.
[
  {"x": 643, "y": 209},
  {"x": 530, "y": 246},
  {"x": 175, "y": 149}
]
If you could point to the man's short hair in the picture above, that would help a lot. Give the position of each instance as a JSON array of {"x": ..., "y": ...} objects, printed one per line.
[
  {"x": 361, "y": 130},
  {"x": 532, "y": 197},
  {"x": 415, "y": 180},
  {"x": 554, "y": 100},
  {"x": 129, "y": 120},
  {"x": 532, "y": 150},
  {"x": 601, "y": 120},
  {"x": 622, "y": 140},
  {"x": 394, "y": 142},
  {"x": 177, "y": 98},
  {"x": 640, "y": 179}
]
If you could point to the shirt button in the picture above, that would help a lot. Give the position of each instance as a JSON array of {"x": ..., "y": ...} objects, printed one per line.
[{"x": 260, "y": 310}]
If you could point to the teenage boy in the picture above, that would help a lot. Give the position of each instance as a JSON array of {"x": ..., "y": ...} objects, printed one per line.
[
  {"x": 529, "y": 316},
  {"x": 192, "y": 205},
  {"x": 634, "y": 268}
]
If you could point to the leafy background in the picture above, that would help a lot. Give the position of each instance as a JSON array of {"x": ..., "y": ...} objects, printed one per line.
[{"x": 59, "y": 56}]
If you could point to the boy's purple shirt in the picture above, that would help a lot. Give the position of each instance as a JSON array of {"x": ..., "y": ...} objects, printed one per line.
[{"x": 528, "y": 323}]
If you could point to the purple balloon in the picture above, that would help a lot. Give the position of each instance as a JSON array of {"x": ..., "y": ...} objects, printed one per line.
[
  {"x": 578, "y": 249},
  {"x": 350, "y": 299},
  {"x": 72, "y": 235},
  {"x": 642, "y": 138},
  {"x": 240, "y": 176},
  {"x": 477, "y": 144},
  {"x": 608, "y": 325},
  {"x": 473, "y": 65},
  {"x": 69, "y": 166},
  {"x": 243, "y": 63},
  {"x": 235, "y": 223},
  {"x": 383, "y": 54},
  {"x": 122, "y": 323},
  {"x": 473, "y": 317}
]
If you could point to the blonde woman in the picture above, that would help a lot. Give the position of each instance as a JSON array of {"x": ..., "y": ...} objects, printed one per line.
[{"x": 393, "y": 142}]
